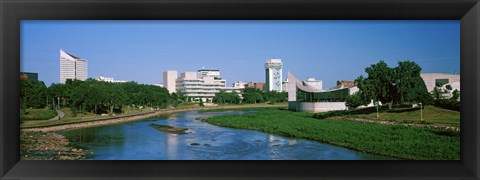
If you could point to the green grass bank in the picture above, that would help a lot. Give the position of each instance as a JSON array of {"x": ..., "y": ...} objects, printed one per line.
[{"x": 387, "y": 140}]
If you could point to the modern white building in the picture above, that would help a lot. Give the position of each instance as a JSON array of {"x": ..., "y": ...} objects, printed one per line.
[
  {"x": 307, "y": 98},
  {"x": 169, "y": 80},
  {"x": 72, "y": 67},
  {"x": 273, "y": 75},
  {"x": 108, "y": 79},
  {"x": 441, "y": 80}
]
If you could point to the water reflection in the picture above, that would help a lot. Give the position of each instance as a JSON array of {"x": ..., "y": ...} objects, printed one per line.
[{"x": 139, "y": 141}]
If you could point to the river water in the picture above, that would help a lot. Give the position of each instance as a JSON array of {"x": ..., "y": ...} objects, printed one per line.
[{"x": 203, "y": 141}]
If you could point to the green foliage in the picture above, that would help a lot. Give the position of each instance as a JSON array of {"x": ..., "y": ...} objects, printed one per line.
[
  {"x": 355, "y": 100},
  {"x": 395, "y": 141},
  {"x": 451, "y": 104},
  {"x": 38, "y": 114},
  {"x": 33, "y": 94},
  {"x": 95, "y": 96},
  {"x": 223, "y": 97},
  {"x": 394, "y": 85},
  {"x": 253, "y": 95}
]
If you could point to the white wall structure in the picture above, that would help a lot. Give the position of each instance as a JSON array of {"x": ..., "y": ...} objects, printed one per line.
[
  {"x": 72, "y": 67},
  {"x": 452, "y": 80},
  {"x": 273, "y": 75},
  {"x": 430, "y": 80},
  {"x": 169, "y": 80}
]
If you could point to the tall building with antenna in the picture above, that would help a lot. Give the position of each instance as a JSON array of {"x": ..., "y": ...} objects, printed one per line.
[{"x": 72, "y": 67}]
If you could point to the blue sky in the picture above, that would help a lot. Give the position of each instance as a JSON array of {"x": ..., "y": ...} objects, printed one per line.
[{"x": 327, "y": 50}]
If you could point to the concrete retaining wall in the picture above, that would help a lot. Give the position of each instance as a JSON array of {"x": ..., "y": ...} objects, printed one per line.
[{"x": 320, "y": 106}]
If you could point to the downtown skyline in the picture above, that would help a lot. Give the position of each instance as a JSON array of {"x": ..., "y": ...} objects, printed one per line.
[{"x": 326, "y": 50}]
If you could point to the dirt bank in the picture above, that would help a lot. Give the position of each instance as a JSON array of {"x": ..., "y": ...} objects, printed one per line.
[{"x": 48, "y": 146}]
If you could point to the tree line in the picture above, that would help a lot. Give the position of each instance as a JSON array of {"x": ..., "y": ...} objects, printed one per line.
[
  {"x": 250, "y": 96},
  {"x": 95, "y": 96}
]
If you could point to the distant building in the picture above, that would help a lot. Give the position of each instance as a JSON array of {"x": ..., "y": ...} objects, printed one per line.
[
  {"x": 313, "y": 83},
  {"x": 159, "y": 84},
  {"x": 169, "y": 80},
  {"x": 201, "y": 85},
  {"x": 344, "y": 84},
  {"x": 285, "y": 85},
  {"x": 108, "y": 79},
  {"x": 209, "y": 73},
  {"x": 441, "y": 80},
  {"x": 256, "y": 85},
  {"x": 28, "y": 76},
  {"x": 239, "y": 85},
  {"x": 72, "y": 67},
  {"x": 273, "y": 75}
]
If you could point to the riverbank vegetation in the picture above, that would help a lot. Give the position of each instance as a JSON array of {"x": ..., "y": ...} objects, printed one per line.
[
  {"x": 389, "y": 140},
  {"x": 401, "y": 114}
]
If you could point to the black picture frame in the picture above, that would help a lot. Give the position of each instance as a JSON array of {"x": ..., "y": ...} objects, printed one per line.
[{"x": 12, "y": 11}]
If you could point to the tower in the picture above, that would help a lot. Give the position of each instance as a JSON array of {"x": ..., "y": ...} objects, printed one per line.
[{"x": 273, "y": 75}]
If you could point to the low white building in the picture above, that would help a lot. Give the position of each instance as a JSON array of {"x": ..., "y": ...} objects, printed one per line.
[
  {"x": 201, "y": 85},
  {"x": 108, "y": 79}
]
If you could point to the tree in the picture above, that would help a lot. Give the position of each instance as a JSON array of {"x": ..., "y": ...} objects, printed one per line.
[
  {"x": 436, "y": 93},
  {"x": 407, "y": 76},
  {"x": 355, "y": 100},
  {"x": 380, "y": 83}
]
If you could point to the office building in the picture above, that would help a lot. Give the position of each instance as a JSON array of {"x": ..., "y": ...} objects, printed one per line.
[
  {"x": 29, "y": 76},
  {"x": 196, "y": 86},
  {"x": 273, "y": 75},
  {"x": 169, "y": 80},
  {"x": 72, "y": 67},
  {"x": 256, "y": 85}
]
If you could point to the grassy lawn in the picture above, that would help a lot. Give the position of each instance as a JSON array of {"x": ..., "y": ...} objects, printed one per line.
[
  {"x": 431, "y": 114},
  {"x": 394, "y": 141},
  {"x": 37, "y": 114},
  {"x": 69, "y": 118}
]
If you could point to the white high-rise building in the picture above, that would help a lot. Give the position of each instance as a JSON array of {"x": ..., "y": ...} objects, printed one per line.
[
  {"x": 169, "y": 81},
  {"x": 273, "y": 75},
  {"x": 72, "y": 67}
]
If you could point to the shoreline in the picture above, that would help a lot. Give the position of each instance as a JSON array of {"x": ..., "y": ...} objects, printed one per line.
[
  {"x": 43, "y": 143},
  {"x": 129, "y": 118}
]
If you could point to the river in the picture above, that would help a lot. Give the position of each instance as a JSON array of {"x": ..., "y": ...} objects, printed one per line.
[{"x": 203, "y": 141}]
